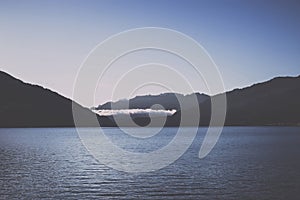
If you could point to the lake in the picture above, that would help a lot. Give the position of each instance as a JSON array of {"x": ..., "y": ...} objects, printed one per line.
[{"x": 246, "y": 163}]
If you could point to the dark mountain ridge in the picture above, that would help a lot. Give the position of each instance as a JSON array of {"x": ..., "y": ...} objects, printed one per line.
[
  {"x": 27, "y": 105},
  {"x": 274, "y": 102},
  {"x": 169, "y": 101}
]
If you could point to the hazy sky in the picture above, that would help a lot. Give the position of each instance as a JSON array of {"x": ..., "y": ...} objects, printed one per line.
[{"x": 44, "y": 42}]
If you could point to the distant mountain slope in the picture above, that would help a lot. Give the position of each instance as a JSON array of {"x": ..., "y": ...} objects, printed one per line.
[
  {"x": 274, "y": 102},
  {"x": 168, "y": 100},
  {"x": 26, "y": 105}
]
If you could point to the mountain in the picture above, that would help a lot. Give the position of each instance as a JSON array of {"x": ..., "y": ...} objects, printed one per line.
[
  {"x": 169, "y": 101},
  {"x": 26, "y": 105},
  {"x": 274, "y": 102}
]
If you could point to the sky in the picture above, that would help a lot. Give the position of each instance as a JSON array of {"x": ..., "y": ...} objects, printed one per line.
[{"x": 45, "y": 42}]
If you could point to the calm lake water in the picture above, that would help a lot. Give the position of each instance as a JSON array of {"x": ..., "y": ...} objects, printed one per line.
[{"x": 246, "y": 163}]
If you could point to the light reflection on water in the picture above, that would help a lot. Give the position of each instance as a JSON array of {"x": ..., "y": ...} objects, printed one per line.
[{"x": 246, "y": 163}]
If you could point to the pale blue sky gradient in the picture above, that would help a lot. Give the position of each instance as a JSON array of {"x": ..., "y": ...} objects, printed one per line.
[{"x": 44, "y": 42}]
